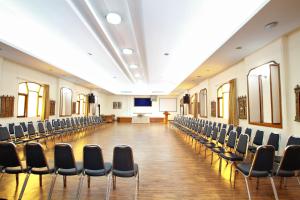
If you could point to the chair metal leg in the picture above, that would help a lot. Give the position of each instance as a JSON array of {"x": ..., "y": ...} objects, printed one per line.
[
  {"x": 274, "y": 188},
  {"x": 257, "y": 183},
  {"x": 24, "y": 186},
  {"x": 230, "y": 172},
  {"x": 108, "y": 186},
  {"x": 285, "y": 182},
  {"x": 114, "y": 182},
  {"x": 220, "y": 165},
  {"x": 136, "y": 186},
  {"x": 17, "y": 179},
  {"x": 212, "y": 158},
  {"x": 234, "y": 178},
  {"x": 79, "y": 186},
  {"x": 41, "y": 180},
  {"x": 52, "y": 186},
  {"x": 89, "y": 181},
  {"x": 247, "y": 185},
  {"x": 65, "y": 181}
]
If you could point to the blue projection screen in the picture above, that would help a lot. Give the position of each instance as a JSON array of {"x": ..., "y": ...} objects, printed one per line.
[{"x": 142, "y": 102}]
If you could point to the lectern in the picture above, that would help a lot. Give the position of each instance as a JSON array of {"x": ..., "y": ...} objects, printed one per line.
[{"x": 166, "y": 113}]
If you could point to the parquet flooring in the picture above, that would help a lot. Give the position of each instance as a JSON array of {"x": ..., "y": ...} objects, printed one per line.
[{"x": 169, "y": 170}]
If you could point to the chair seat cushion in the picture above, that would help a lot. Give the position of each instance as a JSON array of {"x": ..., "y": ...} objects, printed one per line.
[
  {"x": 245, "y": 169},
  {"x": 130, "y": 173},
  {"x": 42, "y": 171},
  {"x": 231, "y": 156},
  {"x": 210, "y": 145},
  {"x": 100, "y": 172},
  {"x": 252, "y": 149},
  {"x": 14, "y": 170},
  {"x": 218, "y": 150},
  {"x": 71, "y": 171}
]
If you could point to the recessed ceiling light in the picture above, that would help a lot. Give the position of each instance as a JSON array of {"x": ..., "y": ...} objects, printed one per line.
[
  {"x": 166, "y": 54},
  {"x": 90, "y": 53},
  {"x": 113, "y": 18},
  {"x": 127, "y": 51},
  {"x": 239, "y": 47},
  {"x": 271, "y": 25},
  {"x": 115, "y": 77},
  {"x": 137, "y": 75},
  {"x": 133, "y": 66}
]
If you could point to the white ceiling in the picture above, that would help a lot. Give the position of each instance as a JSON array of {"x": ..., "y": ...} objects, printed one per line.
[{"x": 62, "y": 33}]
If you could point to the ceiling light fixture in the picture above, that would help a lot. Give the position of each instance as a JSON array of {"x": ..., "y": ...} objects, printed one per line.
[
  {"x": 239, "y": 47},
  {"x": 90, "y": 53},
  {"x": 137, "y": 75},
  {"x": 113, "y": 18},
  {"x": 166, "y": 54},
  {"x": 127, "y": 51},
  {"x": 271, "y": 25},
  {"x": 133, "y": 66}
]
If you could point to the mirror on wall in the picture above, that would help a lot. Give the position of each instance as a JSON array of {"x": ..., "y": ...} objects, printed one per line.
[
  {"x": 65, "y": 102},
  {"x": 264, "y": 95},
  {"x": 203, "y": 102}
]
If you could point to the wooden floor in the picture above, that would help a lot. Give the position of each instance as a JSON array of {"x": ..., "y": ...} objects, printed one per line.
[{"x": 169, "y": 169}]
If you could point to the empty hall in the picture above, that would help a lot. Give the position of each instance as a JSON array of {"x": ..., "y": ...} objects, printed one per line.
[{"x": 149, "y": 99}]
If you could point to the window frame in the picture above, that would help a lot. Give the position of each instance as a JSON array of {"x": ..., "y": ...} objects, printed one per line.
[
  {"x": 221, "y": 99},
  {"x": 200, "y": 93}
]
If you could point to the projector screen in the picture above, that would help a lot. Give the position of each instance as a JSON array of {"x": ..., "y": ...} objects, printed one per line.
[{"x": 168, "y": 104}]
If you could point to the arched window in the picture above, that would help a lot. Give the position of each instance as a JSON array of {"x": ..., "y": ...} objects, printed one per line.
[
  {"x": 30, "y": 99},
  {"x": 223, "y": 101}
]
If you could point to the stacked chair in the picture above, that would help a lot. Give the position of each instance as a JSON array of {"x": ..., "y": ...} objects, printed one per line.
[{"x": 232, "y": 145}]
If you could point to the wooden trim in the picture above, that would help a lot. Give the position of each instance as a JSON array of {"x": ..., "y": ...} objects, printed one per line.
[{"x": 203, "y": 116}]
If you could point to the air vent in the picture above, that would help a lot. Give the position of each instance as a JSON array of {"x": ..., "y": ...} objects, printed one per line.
[{"x": 126, "y": 92}]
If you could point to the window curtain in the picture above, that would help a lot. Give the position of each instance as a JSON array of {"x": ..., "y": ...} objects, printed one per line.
[
  {"x": 46, "y": 104},
  {"x": 233, "y": 119},
  {"x": 87, "y": 106}
]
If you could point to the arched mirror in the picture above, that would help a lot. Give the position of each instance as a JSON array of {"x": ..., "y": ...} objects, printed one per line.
[
  {"x": 65, "y": 102},
  {"x": 203, "y": 102},
  {"x": 264, "y": 95}
]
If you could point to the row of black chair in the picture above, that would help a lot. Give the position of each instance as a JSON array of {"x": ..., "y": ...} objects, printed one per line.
[
  {"x": 65, "y": 164},
  {"x": 232, "y": 146},
  {"x": 23, "y": 133}
]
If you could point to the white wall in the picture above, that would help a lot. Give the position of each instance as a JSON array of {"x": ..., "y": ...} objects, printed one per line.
[
  {"x": 11, "y": 74},
  {"x": 128, "y": 108},
  {"x": 284, "y": 51}
]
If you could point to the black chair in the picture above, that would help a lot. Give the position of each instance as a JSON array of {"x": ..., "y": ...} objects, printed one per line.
[
  {"x": 290, "y": 163},
  {"x": 11, "y": 128},
  {"x": 124, "y": 166},
  {"x": 220, "y": 145},
  {"x": 291, "y": 141},
  {"x": 10, "y": 161},
  {"x": 64, "y": 164},
  {"x": 239, "y": 131},
  {"x": 248, "y": 132},
  {"x": 36, "y": 163},
  {"x": 230, "y": 145},
  {"x": 93, "y": 165},
  {"x": 32, "y": 134},
  {"x": 257, "y": 141},
  {"x": 4, "y": 134},
  {"x": 213, "y": 140},
  {"x": 239, "y": 154},
  {"x": 25, "y": 129},
  {"x": 274, "y": 141},
  {"x": 230, "y": 128},
  {"x": 262, "y": 166},
  {"x": 19, "y": 135}
]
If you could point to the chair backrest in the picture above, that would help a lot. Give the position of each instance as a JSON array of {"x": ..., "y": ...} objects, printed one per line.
[
  {"x": 35, "y": 157},
  {"x": 248, "y": 132},
  {"x": 293, "y": 141},
  {"x": 31, "y": 129},
  {"x": 215, "y": 133},
  {"x": 274, "y": 141},
  {"x": 19, "y": 133},
  {"x": 231, "y": 139},
  {"x": 209, "y": 130},
  {"x": 24, "y": 126},
  {"x": 8, "y": 155},
  {"x": 41, "y": 128},
  {"x": 230, "y": 128},
  {"x": 239, "y": 131},
  {"x": 123, "y": 158},
  {"x": 63, "y": 156},
  {"x": 263, "y": 159},
  {"x": 224, "y": 126},
  {"x": 222, "y": 137},
  {"x": 49, "y": 126},
  {"x": 242, "y": 144},
  {"x": 92, "y": 157},
  {"x": 258, "y": 138},
  {"x": 11, "y": 128},
  {"x": 219, "y": 126},
  {"x": 4, "y": 134},
  {"x": 291, "y": 159}
]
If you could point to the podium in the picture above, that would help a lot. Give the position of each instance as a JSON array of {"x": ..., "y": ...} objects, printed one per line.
[{"x": 166, "y": 113}]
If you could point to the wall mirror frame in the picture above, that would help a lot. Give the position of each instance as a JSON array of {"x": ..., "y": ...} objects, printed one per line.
[
  {"x": 297, "y": 95},
  {"x": 242, "y": 106},
  {"x": 194, "y": 105},
  {"x": 203, "y": 103},
  {"x": 264, "y": 95},
  {"x": 213, "y": 109},
  {"x": 66, "y": 95}
]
